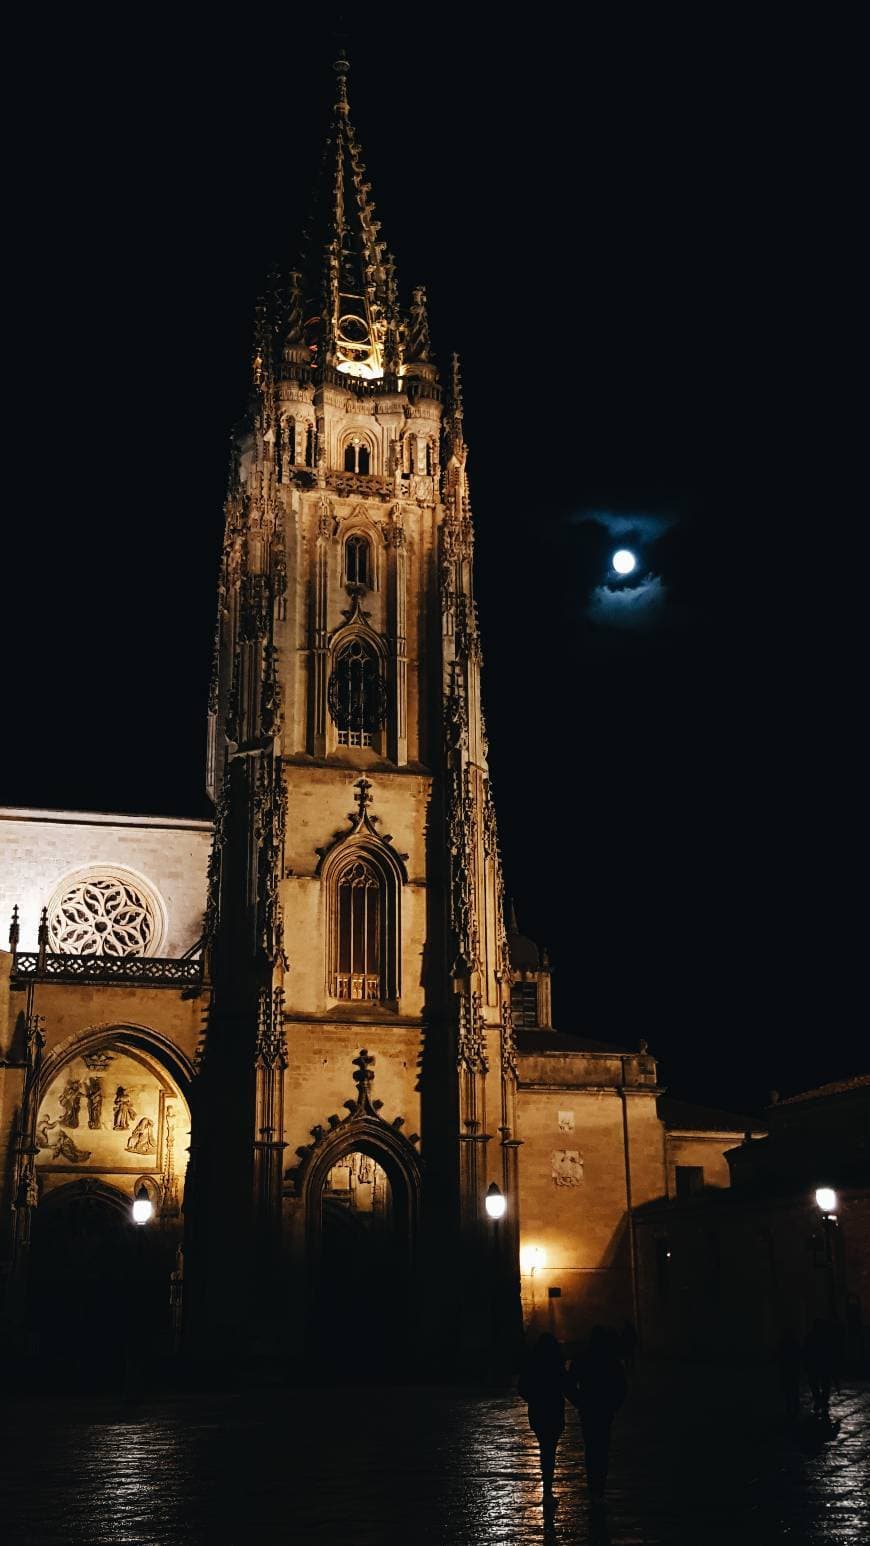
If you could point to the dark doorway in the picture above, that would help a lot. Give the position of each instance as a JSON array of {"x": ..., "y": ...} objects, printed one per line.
[
  {"x": 363, "y": 1281},
  {"x": 98, "y": 1289}
]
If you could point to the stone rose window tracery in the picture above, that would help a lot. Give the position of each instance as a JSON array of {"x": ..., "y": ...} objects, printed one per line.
[{"x": 105, "y": 913}]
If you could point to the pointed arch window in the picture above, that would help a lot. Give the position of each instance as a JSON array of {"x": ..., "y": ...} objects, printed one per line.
[
  {"x": 356, "y": 694},
  {"x": 357, "y": 561},
  {"x": 360, "y": 917}
]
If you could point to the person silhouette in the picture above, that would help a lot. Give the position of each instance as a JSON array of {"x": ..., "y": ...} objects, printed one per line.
[
  {"x": 790, "y": 1359},
  {"x": 819, "y": 1362},
  {"x": 596, "y": 1385},
  {"x": 628, "y": 1345},
  {"x": 542, "y": 1386}
]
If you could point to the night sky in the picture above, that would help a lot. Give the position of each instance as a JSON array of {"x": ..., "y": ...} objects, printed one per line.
[{"x": 619, "y": 229}]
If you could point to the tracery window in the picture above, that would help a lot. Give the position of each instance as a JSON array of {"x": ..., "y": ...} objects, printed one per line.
[
  {"x": 356, "y": 456},
  {"x": 360, "y": 921},
  {"x": 357, "y": 561},
  {"x": 104, "y": 913},
  {"x": 309, "y": 446},
  {"x": 356, "y": 694}
]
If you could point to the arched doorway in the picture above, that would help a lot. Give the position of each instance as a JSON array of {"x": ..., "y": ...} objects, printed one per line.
[
  {"x": 110, "y": 1118},
  {"x": 97, "y": 1293},
  {"x": 363, "y": 1261}
]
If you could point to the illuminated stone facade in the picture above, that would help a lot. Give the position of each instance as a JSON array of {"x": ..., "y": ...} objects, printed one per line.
[{"x": 343, "y": 1031}]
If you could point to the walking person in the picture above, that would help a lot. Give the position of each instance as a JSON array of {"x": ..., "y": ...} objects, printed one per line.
[
  {"x": 542, "y": 1385},
  {"x": 628, "y": 1345},
  {"x": 597, "y": 1386},
  {"x": 819, "y": 1362},
  {"x": 790, "y": 1361}
]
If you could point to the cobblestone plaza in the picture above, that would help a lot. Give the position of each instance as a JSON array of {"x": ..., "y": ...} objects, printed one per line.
[{"x": 699, "y": 1457}]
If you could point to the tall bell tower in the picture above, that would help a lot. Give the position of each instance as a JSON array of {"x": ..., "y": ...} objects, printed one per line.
[{"x": 359, "y": 1036}]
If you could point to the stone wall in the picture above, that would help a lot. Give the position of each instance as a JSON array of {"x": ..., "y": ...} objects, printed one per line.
[
  {"x": 591, "y": 1148},
  {"x": 39, "y": 849}
]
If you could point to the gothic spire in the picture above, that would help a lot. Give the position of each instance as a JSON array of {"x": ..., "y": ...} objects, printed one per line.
[{"x": 358, "y": 285}]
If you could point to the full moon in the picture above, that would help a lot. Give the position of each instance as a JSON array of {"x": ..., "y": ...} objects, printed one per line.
[{"x": 623, "y": 561}]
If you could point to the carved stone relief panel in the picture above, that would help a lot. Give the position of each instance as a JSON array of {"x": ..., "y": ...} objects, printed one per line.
[
  {"x": 357, "y": 1182},
  {"x": 111, "y": 1112},
  {"x": 566, "y": 1121},
  {"x": 567, "y": 1167}
]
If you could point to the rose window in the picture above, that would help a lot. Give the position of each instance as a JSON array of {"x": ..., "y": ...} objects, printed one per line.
[{"x": 104, "y": 915}]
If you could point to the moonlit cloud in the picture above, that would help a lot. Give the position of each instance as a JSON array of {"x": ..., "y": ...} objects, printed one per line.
[
  {"x": 628, "y": 606},
  {"x": 633, "y": 603},
  {"x": 642, "y": 524}
]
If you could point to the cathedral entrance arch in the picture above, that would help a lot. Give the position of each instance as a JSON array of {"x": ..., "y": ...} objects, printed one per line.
[
  {"x": 111, "y": 1115},
  {"x": 360, "y": 1182}
]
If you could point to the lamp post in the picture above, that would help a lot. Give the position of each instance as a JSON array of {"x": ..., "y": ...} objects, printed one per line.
[
  {"x": 143, "y": 1207},
  {"x": 495, "y": 1203},
  {"x": 826, "y": 1202}
]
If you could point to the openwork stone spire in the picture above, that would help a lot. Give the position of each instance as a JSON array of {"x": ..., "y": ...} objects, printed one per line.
[{"x": 357, "y": 280}]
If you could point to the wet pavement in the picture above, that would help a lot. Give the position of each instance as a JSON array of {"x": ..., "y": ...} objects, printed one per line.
[{"x": 699, "y": 1458}]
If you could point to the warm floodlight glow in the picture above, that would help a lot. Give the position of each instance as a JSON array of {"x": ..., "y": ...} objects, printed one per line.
[
  {"x": 623, "y": 561},
  {"x": 143, "y": 1207},
  {"x": 496, "y": 1202},
  {"x": 532, "y": 1259},
  {"x": 826, "y": 1199}
]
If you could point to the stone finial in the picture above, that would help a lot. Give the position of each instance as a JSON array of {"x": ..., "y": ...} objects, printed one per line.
[
  {"x": 363, "y": 798},
  {"x": 365, "y": 1073},
  {"x": 14, "y": 930},
  {"x": 342, "y": 71},
  {"x": 294, "y": 308},
  {"x": 418, "y": 346}
]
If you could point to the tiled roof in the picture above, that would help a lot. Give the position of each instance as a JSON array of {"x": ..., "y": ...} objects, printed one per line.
[
  {"x": 839, "y": 1087},
  {"x": 530, "y": 1042},
  {"x": 692, "y": 1118}
]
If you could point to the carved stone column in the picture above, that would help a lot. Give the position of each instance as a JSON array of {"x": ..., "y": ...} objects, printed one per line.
[
  {"x": 319, "y": 625},
  {"x": 398, "y": 731}
]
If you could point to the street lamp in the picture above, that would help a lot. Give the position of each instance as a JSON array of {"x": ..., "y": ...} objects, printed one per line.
[
  {"x": 143, "y": 1207},
  {"x": 826, "y": 1202},
  {"x": 496, "y": 1202}
]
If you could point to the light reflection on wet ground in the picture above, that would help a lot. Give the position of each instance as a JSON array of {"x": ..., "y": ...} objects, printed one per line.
[{"x": 699, "y": 1459}]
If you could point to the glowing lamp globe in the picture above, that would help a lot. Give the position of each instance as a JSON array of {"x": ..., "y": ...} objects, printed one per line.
[
  {"x": 826, "y": 1199},
  {"x": 623, "y": 561},
  {"x": 143, "y": 1207},
  {"x": 496, "y": 1202}
]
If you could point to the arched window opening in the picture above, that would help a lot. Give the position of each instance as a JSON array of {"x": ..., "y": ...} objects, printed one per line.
[
  {"x": 309, "y": 446},
  {"x": 357, "y": 696},
  {"x": 524, "y": 1005},
  {"x": 428, "y": 458},
  {"x": 357, "y": 565},
  {"x": 358, "y": 974},
  {"x": 357, "y": 457},
  {"x": 410, "y": 454},
  {"x": 291, "y": 442}
]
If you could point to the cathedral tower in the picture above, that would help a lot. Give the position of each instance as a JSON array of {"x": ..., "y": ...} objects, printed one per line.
[{"x": 357, "y": 1081}]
